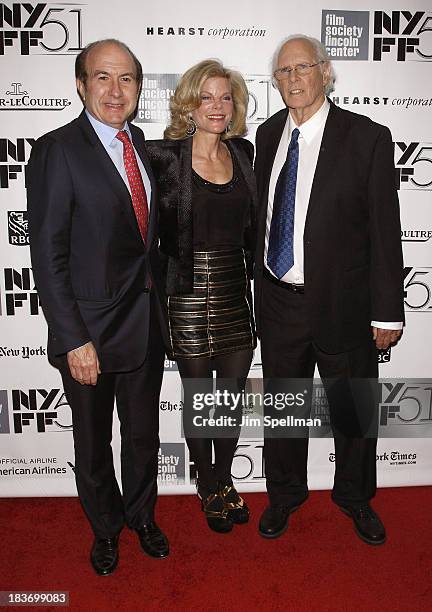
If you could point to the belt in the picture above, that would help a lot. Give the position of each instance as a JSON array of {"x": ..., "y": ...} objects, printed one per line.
[{"x": 294, "y": 287}]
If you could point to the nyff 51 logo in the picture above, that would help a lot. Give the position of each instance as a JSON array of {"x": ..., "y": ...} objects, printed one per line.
[
  {"x": 19, "y": 293},
  {"x": 418, "y": 288},
  {"x": 14, "y": 155},
  {"x": 413, "y": 163},
  {"x": 403, "y": 35},
  {"x": 406, "y": 403},
  {"x": 42, "y": 27},
  {"x": 40, "y": 410}
]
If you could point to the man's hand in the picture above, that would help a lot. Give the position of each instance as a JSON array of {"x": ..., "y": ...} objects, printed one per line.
[
  {"x": 385, "y": 337},
  {"x": 84, "y": 364}
]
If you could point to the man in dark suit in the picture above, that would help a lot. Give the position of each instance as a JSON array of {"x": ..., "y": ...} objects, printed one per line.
[
  {"x": 92, "y": 220},
  {"x": 328, "y": 282}
]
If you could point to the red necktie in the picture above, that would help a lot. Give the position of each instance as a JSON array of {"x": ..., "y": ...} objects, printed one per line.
[{"x": 139, "y": 197}]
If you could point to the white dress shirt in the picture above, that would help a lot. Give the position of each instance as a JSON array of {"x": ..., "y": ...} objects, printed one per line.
[{"x": 309, "y": 142}]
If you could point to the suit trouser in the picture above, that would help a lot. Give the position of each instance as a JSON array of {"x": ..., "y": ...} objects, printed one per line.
[
  {"x": 288, "y": 351},
  {"x": 137, "y": 398}
]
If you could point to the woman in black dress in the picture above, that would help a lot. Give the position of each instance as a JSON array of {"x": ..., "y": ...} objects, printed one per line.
[{"x": 207, "y": 200}]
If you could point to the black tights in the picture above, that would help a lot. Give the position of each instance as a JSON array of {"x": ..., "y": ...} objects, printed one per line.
[{"x": 233, "y": 369}]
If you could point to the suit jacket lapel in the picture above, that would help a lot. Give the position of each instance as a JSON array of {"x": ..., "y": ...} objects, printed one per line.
[
  {"x": 272, "y": 143},
  {"x": 263, "y": 174},
  {"x": 334, "y": 132},
  {"x": 139, "y": 144},
  {"x": 109, "y": 172}
]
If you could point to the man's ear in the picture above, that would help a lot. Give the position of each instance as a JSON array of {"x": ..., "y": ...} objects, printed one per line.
[
  {"x": 326, "y": 73},
  {"x": 81, "y": 89}
]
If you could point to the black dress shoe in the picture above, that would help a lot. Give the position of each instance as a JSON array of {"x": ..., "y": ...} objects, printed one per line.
[
  {"x": 367, "y": 523},
  {"x": 235, "y": 505},
  {"x": 153, "y": 541},
  {"x": 274, "y": 520},
  {"x": 104, "y": 555}
]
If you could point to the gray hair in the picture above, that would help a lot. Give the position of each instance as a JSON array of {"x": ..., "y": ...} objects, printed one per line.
[{"x": 321, "y": 56}]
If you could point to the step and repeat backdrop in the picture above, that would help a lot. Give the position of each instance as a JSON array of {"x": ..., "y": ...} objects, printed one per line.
[{"x": 383, "y": 62}]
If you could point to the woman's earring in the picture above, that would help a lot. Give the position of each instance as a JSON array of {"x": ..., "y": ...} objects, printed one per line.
[
  {"x": 191, "y": 128},
  {"x": 228, "y": 127}
]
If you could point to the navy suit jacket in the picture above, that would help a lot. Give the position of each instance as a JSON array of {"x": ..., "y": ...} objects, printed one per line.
[
  {"x": 90, "y": 264},
  {"x": 353, "y": 269}
]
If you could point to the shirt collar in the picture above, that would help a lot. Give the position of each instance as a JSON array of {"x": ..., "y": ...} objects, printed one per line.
[
  {"x": 310, "y": 128},
  {"x": 106, "y": 133}
]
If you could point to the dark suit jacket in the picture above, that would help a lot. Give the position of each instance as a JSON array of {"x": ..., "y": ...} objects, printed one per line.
[
  {"x": 353, "y": 266},
  {"x": 171, "y": 161},
  {"x": 89, "y": 261}
]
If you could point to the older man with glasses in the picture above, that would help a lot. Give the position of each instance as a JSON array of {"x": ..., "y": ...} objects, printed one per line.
[{"x": 328, "y": 282}]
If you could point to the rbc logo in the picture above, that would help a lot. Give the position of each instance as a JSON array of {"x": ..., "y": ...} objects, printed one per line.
[
  {"x": 384, "y": 355},
  {"x": 18, "y": 228}
]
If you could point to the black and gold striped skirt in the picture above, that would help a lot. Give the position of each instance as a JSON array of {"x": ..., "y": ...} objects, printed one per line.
[{"x": 216, "y": 318}]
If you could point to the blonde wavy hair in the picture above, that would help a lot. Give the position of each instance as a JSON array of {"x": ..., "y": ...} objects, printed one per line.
[{"x": 187, "y": 98}]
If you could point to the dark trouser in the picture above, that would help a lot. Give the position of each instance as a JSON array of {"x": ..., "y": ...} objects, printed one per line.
[
  {"x": 288, "y": 351},
  {"x": 137, "y": 399}
]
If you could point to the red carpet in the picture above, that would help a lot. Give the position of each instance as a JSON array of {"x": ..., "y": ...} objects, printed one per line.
[{"x": 318, "y": 565}]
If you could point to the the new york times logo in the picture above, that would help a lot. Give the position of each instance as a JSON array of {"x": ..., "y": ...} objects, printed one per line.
[
  {"x": 40, "y": 28},
  {"x": 167, "y": 406},
  {"x": 40, "y": 410},
  {"x": 18, "y": 227},
  {"x": 404, "y": 35},
  {"x": 413, "y": 163},
  {"x": 405, "y": 403},
  {"x": 19, "y": 293},
  {"x": 418, "y": 288},
  {"x": 391, "y": 457},
  {"x": 14, "y": 155},
  {"x": 19, "y": 100}
]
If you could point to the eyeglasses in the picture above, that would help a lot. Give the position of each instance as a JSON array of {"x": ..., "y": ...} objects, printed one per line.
[{"x": 280, "y": 74}]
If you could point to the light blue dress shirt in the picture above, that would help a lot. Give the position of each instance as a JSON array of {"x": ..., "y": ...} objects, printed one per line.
[{"x": 114, "y": 147}]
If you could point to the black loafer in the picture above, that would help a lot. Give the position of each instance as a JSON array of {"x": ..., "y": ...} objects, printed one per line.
[
  {"x": 367, "y": 524},
  {"x": 153, "y": 541},
  {"x": 104, "y": 555},
  {"x": 274, "y": 520}
]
